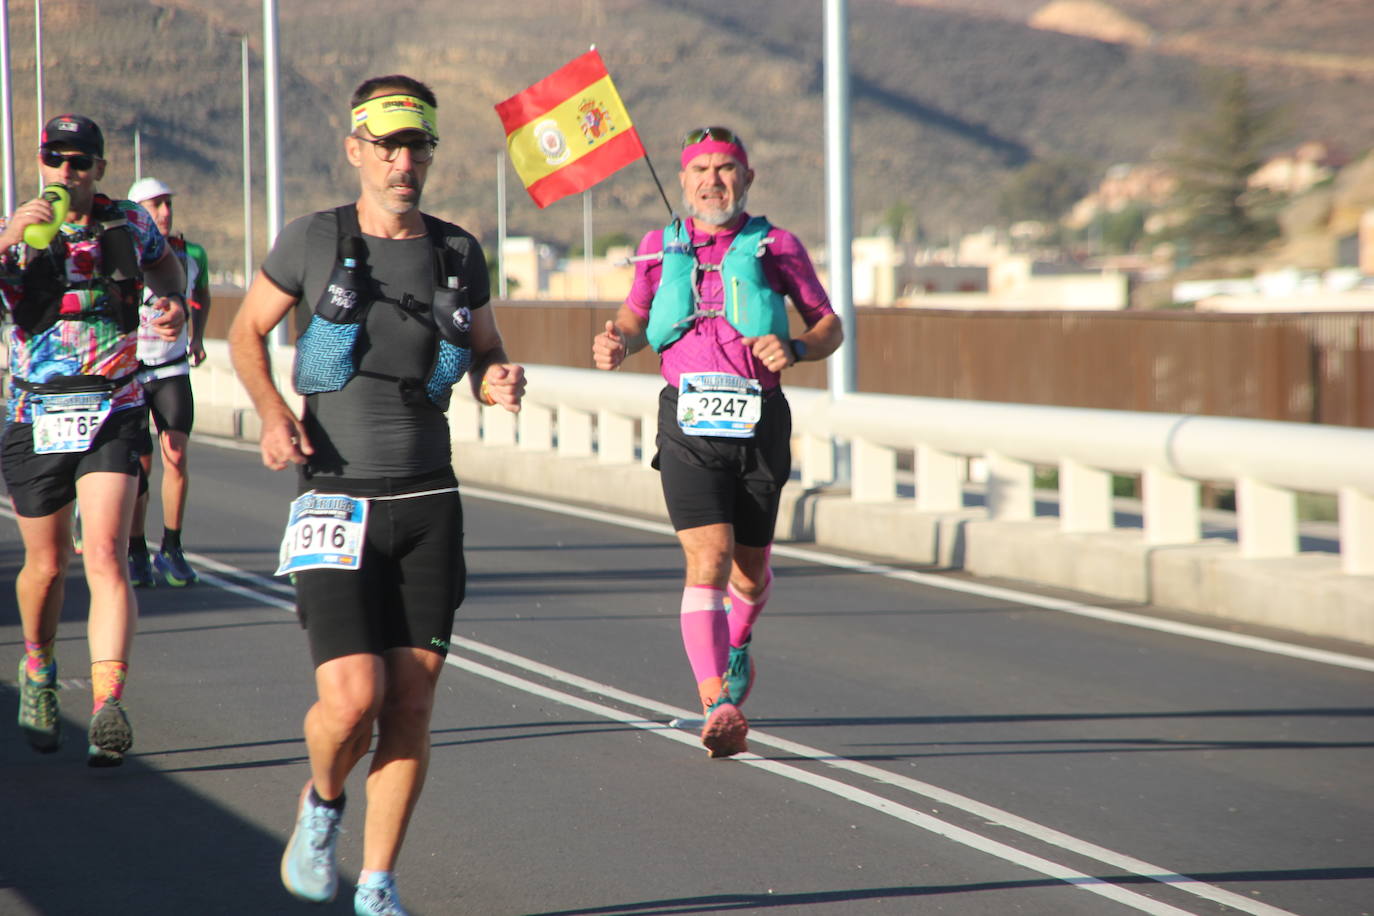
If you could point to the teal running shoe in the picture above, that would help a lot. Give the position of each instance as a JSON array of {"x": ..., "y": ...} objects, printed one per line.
[
  {"x": 726, "y": 728},
  {"x": 38, "y": 711},
  {"x": 171, "y": 563},
  {"x": 307, "y": 867},
  {"x": 739, "y": 673},
  {"x": 141, "y": 571},
  {"x": 110, "y": 735},
  {"x": 378, "y": 898}
]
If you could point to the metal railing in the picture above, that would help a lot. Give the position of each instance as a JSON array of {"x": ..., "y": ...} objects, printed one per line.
[{"x": 613, "y": 417}]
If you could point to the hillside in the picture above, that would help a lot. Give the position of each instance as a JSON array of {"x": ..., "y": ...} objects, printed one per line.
[{"x": 950, "y": 96}]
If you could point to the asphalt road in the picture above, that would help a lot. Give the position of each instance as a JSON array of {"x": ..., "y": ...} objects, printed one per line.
[{"x": 921, "y": 744}]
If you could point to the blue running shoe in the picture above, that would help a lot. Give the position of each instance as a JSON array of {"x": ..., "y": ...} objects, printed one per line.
[
  {"x": 141, "y": 570},
  {"x": 378, "y": 898},
  {"x": 38, "y": 711},
  {"x": 726, "y": 728},
  {"x": 171, "y": 563},
  {"x": 307, "y": 866},
  {"x": 739, "y": 673},
  {"x": 110, "y": 735}
]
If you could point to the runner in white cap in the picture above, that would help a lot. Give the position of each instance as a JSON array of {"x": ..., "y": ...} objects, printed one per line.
[{"x": 166, "y": 380}]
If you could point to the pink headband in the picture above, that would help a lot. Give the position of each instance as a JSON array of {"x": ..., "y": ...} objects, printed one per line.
[{"x": 710, "y": 145}]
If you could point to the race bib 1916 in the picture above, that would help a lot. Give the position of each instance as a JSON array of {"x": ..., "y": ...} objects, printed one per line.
[{"x": 324, "y": 531}]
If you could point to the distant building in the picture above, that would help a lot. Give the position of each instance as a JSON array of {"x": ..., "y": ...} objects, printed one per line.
[
  {"x": 1150, "y": 185},
  {"x": 527, "y": 264},
  {"x": 1298, "y": 170}
]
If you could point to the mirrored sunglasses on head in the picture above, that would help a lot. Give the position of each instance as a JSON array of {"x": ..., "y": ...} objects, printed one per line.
[{"x": 721, "y": 134}]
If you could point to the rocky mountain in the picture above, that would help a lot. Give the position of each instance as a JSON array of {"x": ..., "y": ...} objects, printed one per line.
[{"x": 950, "y": 96}]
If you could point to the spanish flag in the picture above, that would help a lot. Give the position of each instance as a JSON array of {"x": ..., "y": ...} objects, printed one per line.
[{"x": 569, "y": 130}]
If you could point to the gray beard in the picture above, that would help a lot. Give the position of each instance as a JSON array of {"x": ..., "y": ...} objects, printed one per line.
[{"x": 716, "y": 217}]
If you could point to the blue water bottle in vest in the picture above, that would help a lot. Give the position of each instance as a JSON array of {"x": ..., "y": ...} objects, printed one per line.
[
  {"x": 453, "y": 320},
  {"x": 326, "y": 354}
]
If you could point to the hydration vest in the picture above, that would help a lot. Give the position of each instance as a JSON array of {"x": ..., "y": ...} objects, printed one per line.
[
  {"x": 327, "y": 356},
  {"x": 751, "y": 305},
  {"x": 119, "y": 285}
]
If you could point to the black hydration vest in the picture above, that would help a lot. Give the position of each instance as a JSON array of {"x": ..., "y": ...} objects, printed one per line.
[
  {"x": 120, "y": 281},
  {"x": 327, "y": 353}
]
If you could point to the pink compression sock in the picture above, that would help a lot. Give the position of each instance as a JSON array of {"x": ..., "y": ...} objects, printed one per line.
[
  {"x": 743, "y": 612},
  {"x": 705, "y": 631}
]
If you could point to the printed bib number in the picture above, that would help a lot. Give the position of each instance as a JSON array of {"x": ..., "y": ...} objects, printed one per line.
[
  {"x": 718, "y": 404},
  {"x": 68, "y": 422},
  {"x": 324, "y": 531}
]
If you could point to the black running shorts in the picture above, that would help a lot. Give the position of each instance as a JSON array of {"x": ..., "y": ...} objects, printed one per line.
[
  {"x": 710, "y": 480},
  {"x": 412, "y": 577},
  {"x": 42, "y": 484},
  {"x": 170, "y": 400}
]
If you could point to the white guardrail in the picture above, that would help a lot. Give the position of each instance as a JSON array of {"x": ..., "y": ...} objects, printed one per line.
[{"x": 584, "y": 413}]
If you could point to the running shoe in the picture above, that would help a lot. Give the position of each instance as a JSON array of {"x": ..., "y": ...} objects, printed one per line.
[
  {"x": 141, "y": 571},
  {"x": 307, "y": 866},
  {"x": 739, "y": 673},
  {"x": 725, "y": 729},
  {"x": 110, "y": 735},
  {"x": 172, "y": 565},
  {"x": 378, "y": 898},
  {"x": 38, "y": 712}
]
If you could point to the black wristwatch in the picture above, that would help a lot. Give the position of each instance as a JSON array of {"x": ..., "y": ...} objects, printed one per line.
[{"x": 798, "y": 349}]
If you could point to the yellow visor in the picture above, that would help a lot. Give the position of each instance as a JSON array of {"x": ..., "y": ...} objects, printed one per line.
[{"x": 388, "y": 114}]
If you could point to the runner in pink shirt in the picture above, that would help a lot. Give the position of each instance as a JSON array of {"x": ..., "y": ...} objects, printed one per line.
[{"x": 710, "y": 296}]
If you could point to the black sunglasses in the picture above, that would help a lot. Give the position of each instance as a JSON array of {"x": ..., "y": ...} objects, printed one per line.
[
  {"x": 82, "y": 162},
  {"x": 722, "y": 134}
]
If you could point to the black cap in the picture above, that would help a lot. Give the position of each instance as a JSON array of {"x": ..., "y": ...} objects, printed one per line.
[{"x": 75, "y": 131}]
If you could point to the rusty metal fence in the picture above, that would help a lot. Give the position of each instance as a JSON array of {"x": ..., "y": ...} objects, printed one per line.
[{"x": 1313, "y": 368}]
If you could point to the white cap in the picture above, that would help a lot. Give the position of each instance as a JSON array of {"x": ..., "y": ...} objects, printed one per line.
[{"x": 147, "y": 189}]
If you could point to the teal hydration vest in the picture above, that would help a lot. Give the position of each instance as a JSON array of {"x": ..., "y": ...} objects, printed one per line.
[
  {"x": 327, "y": 354},
  {"x": 751, "y": 306}
]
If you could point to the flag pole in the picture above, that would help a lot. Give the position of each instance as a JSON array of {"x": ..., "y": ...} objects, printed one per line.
[
  {"x": 661, "y": 193},
  {"x": 658, "y": 184}
]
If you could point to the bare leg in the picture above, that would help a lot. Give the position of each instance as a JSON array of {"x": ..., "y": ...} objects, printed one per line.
[
  {"x": 107, "y": 505},
  {"x": 338, "y": 727},
  {"x": 40, "y": 585},
  {"x": 399, "y": 766},
  {"x": 175, "y": 482}
]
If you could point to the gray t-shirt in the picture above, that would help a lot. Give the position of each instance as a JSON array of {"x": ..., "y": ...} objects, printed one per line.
[{"x": 365, "y": 429}]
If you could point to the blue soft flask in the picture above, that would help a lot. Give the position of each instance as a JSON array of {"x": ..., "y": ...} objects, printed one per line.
[
  {"x": 453, "y": 320},
  {"x": 326, "y": 354}
]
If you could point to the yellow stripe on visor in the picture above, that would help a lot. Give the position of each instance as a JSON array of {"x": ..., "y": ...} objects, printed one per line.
[{"x": 387, "y": 114}]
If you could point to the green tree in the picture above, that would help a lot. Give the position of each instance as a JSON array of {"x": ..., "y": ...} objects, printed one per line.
[
  {"x": 1216, "y": 155},
  {"x": 1044, "y": 189},
  {"x": 1118, "y": 232}
]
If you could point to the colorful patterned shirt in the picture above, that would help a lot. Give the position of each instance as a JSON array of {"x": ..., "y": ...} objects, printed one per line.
[{"x": 77, "y": 347}]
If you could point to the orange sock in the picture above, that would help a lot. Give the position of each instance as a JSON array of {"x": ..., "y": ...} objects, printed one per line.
[
  {"x": 107, "y": 680},
  {"x": 709, "y": 690}
]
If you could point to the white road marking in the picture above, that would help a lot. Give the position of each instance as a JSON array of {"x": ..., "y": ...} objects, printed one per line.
[
  {"x": 988, "y": 813},
  {"x": 835, "y": 787}
]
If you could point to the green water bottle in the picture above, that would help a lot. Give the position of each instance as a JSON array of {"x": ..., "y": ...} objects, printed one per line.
[{"x": 40, "y": 235}]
